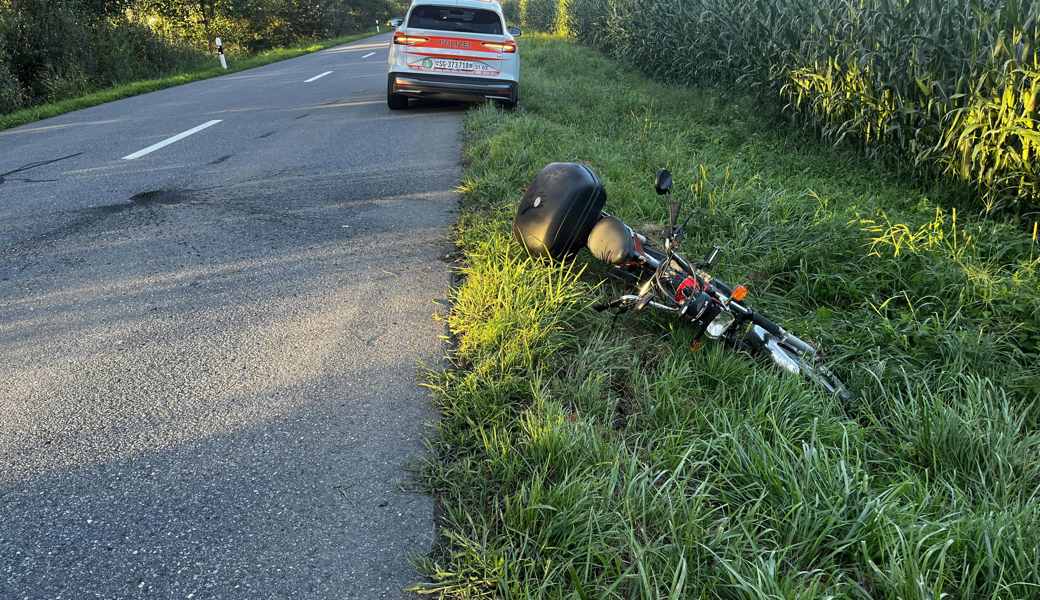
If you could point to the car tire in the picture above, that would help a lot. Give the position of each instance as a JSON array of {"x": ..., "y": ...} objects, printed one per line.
[
  {"x": 513, "y": 104},
  {"x": 394, "y": 101}
]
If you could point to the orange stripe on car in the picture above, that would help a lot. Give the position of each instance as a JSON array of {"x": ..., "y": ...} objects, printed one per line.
[{"x": 455, "y": 56}]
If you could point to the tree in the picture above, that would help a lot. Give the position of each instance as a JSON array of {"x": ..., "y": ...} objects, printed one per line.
[{"x": 189, "y": 18}]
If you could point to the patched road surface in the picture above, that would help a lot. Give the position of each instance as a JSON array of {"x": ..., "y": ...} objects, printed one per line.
[{"x": 213, "y": 303}]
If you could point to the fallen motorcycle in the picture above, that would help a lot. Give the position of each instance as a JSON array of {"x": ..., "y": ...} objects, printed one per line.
[{"x": 562, "y": 211}]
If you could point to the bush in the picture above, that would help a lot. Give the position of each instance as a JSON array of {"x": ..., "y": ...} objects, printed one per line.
[
  {"x": 57, "y": 50},
  {"x": 951, "y": 85},
  {"x": 11, "y": 95},
  {"x": 127, "y": 51}
]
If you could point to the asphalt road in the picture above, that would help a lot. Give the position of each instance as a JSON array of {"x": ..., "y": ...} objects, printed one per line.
[{"x": 208, "y": 353}]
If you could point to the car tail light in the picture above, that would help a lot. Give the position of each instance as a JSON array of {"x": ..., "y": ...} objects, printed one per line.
[
  {"x": 409, "y": 40},
  {"x": 507, "y": 47}
]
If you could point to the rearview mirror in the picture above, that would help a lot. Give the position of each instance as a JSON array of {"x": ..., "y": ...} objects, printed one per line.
[
  {"x": 712, "y": 257},
  {"x": 396, "y": 22},
  {"x": 515, "y": 31},
  {"x": 663, "y": 183}
]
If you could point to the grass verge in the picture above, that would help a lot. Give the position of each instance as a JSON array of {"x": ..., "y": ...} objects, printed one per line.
[
  {"x": 580, "y": 456},
  {"x": 134, "y": 88}
]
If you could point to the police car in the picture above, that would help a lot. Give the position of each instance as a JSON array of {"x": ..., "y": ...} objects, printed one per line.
[{"x": 455, "y": 50}]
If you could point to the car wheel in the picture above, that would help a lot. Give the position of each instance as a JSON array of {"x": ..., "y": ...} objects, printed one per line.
[
  {"x": 511, "y": 104},
  {"x": 394, "y": 101}
]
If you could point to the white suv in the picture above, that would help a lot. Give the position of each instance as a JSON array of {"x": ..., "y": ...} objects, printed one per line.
[{"x": 454, "y": 49}]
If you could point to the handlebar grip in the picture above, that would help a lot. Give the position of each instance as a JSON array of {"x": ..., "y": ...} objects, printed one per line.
[
  {"x": 781, "y": 335},
  {"x": 768, "y": 325}
]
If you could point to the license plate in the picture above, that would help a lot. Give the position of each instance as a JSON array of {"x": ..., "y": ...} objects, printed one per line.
[
  {"x": 451, "y": 64},
  {"x": 455, "y": 65}
]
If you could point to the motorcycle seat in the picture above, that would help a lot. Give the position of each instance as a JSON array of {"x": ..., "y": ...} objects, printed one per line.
[{"x": 613, "y": 242}]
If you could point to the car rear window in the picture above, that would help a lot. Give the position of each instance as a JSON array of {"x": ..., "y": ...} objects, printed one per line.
[{"x": 450, "y": 18}]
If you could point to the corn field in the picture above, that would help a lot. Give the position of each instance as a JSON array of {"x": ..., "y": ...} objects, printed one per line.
[
  {"x": 541, "y": 14},
  {"x": 949, "y": 86}
]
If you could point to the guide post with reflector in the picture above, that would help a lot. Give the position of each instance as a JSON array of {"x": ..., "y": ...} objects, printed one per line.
[{"x": 220, "y": 54}]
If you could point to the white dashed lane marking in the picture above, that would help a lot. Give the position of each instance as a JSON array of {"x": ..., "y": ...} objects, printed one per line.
[
  {"x": 171, "y": 140},
  {"x": 317, "y": 77}
]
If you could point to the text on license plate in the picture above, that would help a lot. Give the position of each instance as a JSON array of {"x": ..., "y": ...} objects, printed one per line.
[{"x": 459, "y": 65}]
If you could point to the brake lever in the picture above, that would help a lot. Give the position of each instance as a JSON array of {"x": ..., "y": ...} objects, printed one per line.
[
  {"x": 676, "y": 239},
  {"x": 709, "y": 261}
]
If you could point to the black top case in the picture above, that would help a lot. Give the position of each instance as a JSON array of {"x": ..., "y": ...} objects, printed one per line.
[{"x": 559, "y": 209}]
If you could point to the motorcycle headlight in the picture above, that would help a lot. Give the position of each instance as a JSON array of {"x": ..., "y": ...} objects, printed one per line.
[{"x": 720, "y": 324}]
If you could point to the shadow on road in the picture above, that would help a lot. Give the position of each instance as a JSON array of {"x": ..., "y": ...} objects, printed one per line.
[
  {"x": 267, "y": 511},
  {"x": 212, "y": 390}
]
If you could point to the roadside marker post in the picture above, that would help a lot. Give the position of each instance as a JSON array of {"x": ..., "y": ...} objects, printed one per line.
[
  {"x": 220, "y": 54},
  {"x": 377, "y": 25}
]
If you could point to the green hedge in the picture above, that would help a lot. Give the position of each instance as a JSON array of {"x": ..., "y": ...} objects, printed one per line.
[
  {"x": 946, "y": 85},
  {"x": 55, "y": 50},
  {"x": 52, "y": 50},
  {"x": 12, "y": 96}
]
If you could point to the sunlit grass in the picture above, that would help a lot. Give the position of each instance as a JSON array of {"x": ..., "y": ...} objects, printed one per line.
[
  {"x": 581, "y": 456},
  {"x": 940, "y": 234}
]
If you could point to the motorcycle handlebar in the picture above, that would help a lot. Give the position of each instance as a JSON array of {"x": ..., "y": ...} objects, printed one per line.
[
  {"x": 757, "y": 318},
  {"x": 747, "y": 313},
  {"x": 768, "y": 325},
  {"x": 658, "y": 258},
  {"x": 781, "y": 335},
  {"x": 772, "y": 328}
]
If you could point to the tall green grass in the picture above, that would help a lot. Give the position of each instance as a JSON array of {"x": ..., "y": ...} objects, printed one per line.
[
  {"x": 582, "y": 456},
  {"x": 949, "y": 85}
]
